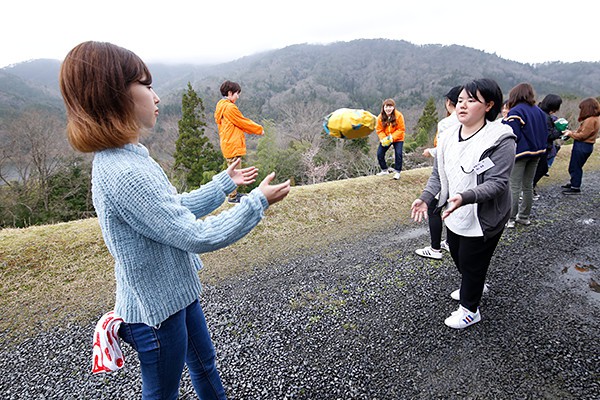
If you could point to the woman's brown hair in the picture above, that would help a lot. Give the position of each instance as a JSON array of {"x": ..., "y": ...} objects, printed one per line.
[
  {"x": 391, "y": 119},
  {"x": 589, "y": 107},
  {"x": 522, "y": 93},
  {"x": 94, "y": 81}
]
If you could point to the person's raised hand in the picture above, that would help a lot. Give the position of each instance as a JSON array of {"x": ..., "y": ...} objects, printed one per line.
[
  {"x": 274, "y": 193},
  {"x": 418, "y": 210},
  {"x": 243, "y": 176}
]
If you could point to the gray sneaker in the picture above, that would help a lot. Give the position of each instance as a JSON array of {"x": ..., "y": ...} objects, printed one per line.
[{"x": 444, "y": 245}]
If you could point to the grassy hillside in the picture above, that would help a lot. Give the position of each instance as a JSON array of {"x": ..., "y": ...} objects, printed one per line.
[{"x": 63, "y": 273}]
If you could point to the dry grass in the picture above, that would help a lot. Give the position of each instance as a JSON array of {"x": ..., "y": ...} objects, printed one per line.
[{"x": 63, "y": 272}]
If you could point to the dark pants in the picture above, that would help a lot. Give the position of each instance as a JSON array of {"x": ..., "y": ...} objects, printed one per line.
[
  {"x": 472, "y": 256},
  {"x": 542, "y": 168},
  {"x": 381, "y": 150},
  {"x": 230, "y": 161},
  {"x": 434, "y": 217},
  {"x": 579, "y": 155}
]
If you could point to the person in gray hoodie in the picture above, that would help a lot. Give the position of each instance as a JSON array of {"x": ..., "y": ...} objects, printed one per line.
[{"x": 471, "y": 172}]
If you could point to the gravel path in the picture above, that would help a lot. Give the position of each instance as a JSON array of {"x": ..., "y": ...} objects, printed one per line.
[{"x": 365, "y": 321}]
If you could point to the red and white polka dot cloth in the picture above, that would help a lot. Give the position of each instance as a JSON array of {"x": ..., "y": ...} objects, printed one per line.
[{"x": 107, "y": 355}]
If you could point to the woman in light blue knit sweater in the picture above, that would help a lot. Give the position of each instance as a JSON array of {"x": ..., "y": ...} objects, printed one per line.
[{"x": 153, "y": 233}]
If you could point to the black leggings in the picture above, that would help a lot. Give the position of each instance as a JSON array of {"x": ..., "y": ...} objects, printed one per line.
[
  {"x": 472, "y": 256},
  {"x": 434, "y": 217}
]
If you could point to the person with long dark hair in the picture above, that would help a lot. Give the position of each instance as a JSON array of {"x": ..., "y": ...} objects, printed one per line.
[
  {"x": 550, "y": 104},
  {"x": 390, "y": 129},
  {"x": 434, "y": 218}
]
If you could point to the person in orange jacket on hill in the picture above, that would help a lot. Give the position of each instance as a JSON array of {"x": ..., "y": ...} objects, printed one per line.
[
  {"x": 390, "y": 129},
  {"x": 232, "y": 125}
]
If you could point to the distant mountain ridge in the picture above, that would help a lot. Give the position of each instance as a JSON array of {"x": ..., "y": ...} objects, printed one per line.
[{"x": 357, "y": 74}]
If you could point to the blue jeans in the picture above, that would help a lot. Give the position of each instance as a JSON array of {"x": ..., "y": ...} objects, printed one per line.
[
  {"x": 579, "y": 155},
  {"x": 381, "y": 150},
  {"x": 183, "y": 338}
]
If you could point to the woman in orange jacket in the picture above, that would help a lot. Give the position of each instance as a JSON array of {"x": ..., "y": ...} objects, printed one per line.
[
  {"x": 232, "y": 125},
  {"x": 390, "y": 129}
]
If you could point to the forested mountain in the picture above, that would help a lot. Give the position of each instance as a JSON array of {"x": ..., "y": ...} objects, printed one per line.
[
  {"x": 29, "y": 85},
  {"x": 361, "y": 73},
  {"x": 289, "y": 91},
  {"x": 356, "y": 74}
]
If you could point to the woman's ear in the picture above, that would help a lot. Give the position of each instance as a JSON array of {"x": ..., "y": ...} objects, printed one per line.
[{"x": 489, "y": 106}]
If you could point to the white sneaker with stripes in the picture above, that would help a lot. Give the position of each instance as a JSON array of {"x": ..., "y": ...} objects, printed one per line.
[{"x": 462, "y": 318}]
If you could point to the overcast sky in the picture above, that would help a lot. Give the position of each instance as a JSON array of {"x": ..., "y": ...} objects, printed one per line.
[{"x": 201, "y": 31}]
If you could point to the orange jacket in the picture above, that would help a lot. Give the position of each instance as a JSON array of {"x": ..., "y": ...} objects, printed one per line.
[
  {"x": 397, "y": 131},
  {"x": 232, "y": 125}
]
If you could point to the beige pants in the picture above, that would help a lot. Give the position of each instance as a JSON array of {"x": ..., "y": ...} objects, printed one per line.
[{"x": 230, "y": 161}]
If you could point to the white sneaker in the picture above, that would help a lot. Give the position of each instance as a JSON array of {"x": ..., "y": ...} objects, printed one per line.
[
  {"x": 510, "y": 223},
  {"x": 462, "y": 318},
  {"x": 428, "y": 252},
  {"x": 383, "y": 172},
  {"x": 444, "y": 246},
  {"x": 397, "y": 175},
  {"x": 456, "y": 294}
]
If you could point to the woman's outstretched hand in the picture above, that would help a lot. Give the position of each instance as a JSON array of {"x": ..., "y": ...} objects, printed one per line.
[
  {"x": 274, "y": 193},
  {"x": 243, "y": 176},
  {"x": 418, "y": 210}
]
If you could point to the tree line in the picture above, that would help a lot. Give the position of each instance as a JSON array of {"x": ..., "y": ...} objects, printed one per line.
[{"x": 43, "y": 181}]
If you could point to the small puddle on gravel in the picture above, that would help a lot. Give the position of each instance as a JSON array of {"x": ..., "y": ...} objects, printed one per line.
[{"x": 580, "y": 272}]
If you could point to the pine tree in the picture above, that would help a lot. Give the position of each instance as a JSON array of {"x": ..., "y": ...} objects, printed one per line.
[
  {"x": 425, "y": 128},
  {"x": 427, "y": 123},
  {"x": 195, "y": 157},
  {"x": 285, "y": 162}
]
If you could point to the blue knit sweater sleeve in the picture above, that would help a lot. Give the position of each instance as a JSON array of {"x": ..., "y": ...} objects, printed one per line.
[
  {"x": 143, "y": 197},
  {"x": 208, "y": 197}
]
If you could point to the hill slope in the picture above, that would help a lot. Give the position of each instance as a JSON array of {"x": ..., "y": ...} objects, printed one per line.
[
  {"x": 356, "y": 74},
  {"x": 56, "y": 272}
]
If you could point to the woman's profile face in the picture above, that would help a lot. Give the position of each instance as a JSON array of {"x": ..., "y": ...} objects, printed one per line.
[{"x": 145, "y": 104}]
